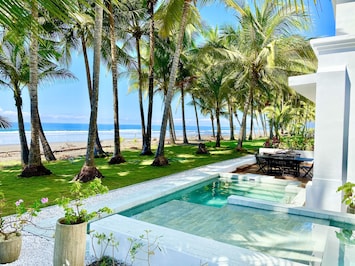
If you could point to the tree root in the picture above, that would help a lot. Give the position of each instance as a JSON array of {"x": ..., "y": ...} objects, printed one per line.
[
  {"x": 160, "y": 161},
  {"x": 202, "y": 149},
  {"x": 117, "y": 159},
  {"x": 88, "y": 173},
  {"x": 35, "y": 170}
]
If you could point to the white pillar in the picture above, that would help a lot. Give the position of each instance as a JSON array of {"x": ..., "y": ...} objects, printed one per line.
[{"x": 331, "y": 138}]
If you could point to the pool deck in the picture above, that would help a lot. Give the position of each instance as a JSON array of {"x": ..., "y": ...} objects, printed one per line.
[{"x": 176, "y": 245}]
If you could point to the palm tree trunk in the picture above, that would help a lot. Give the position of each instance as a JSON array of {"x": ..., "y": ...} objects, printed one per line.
[
  {"x": 212, "y": 122},
  {"x": 47, "y": 150},
  {"x": 244, "y": 119},
  {"x": 185, "y": 141},
  {"x": 140, "y": 92},
  {"x": 34, "y": 167},
  {"x": 98, "y": 150},
  {"x": 231, "y": 125},
  {"x": 89, "y": 171},
  {"x": 117, "y": 157},
  {"x": 147, "y": 138},
  {"x": 21, "y": 127},
  {"x": 172, "y": 128},
  {"x": 196, "y": 115},
  {"x": 218, "y": 139},
  {"x": 172, "y": 79},
  {"x": 251, "y": 119},
  {"x": 263, "y": 122}
]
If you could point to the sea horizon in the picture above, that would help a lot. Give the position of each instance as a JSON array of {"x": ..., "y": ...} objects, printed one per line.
[{"x": 78, "y": 132}]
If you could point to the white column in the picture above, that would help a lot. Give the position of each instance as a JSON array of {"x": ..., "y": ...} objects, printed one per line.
[{"x": 331, "y": 138}]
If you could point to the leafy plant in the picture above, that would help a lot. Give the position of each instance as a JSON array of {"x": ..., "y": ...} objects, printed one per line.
[
  {"x": 150, "y": 247},
  {"x": 348, "y": 190},
  {"x": 346, "y": 236},
  {"x": 105, "y": 242},
  {"x": 12, "y": 225},
  {"x": 74, "y": 213}
]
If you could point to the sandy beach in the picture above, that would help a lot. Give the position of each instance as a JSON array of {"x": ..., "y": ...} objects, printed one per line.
[{"x": 65, "y": 150}]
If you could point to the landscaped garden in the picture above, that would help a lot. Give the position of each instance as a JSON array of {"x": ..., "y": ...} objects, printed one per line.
[{"x": 137, "y": 169}]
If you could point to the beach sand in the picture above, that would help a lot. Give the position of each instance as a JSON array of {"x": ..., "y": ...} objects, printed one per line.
[
  {"x": 65, "y": 150},
  {"x": 10, "y": 154}
]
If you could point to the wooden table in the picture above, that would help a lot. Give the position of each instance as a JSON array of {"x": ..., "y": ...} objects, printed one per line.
[{"x": 283, "y": 163}]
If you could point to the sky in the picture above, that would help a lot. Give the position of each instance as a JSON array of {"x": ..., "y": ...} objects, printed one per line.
[{"x": 68, "y": 101}]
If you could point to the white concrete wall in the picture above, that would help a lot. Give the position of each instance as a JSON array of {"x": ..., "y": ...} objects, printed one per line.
[
  {"x": 345, "y": 22},
  {"x": 331, "y": 139}
]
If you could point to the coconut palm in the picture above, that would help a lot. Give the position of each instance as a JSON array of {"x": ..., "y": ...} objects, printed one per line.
[
  {"x": 14, "y": 72},
  {"x": 186, "y": 11},
  {"x": 132, "y": 21},
  {"x": 147, "y": 135},
  {"x": 163, "y": 53},
  {"x": 117, "y": 157},
  {"x": 215, "y": 88},
  {"x": 89, "y": 170},
  {"x": 4, "y": 123},
  {"x": 264, "y": 35},
  {"x": 34, "y": 166},
  {"x": 194, "y": 103},
  {"x": 22, "y": 17}
]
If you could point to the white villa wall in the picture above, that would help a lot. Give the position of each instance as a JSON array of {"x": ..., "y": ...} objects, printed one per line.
[
  {"x": 334, "y": 153},
  {"x": 345, "y": 23}
]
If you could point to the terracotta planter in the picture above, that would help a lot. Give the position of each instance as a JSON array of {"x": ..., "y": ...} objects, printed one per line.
[
  {"x": 69, "y": 244},
  {"x": 10, "y": 249}
]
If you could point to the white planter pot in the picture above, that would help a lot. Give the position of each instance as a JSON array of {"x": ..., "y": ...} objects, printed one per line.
[{"x": 10, "y": 249}]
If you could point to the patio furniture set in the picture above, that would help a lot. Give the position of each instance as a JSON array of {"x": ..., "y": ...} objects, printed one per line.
[{"x": 283, "y": 163}]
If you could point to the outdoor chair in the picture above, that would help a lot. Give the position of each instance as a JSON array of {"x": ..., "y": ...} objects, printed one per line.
[
  {"x": 307, "y": 169},
  {"x": 261, "y": 163}
]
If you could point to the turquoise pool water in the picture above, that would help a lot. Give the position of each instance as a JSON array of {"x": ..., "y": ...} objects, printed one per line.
[
  {"x": 216, "y": 192},
  {"x": 203, "y": 210}
]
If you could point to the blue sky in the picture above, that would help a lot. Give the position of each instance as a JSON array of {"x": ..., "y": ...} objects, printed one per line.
[{"x": 68, "y": 102}]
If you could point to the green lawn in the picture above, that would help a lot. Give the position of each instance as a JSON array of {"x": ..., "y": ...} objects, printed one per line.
[{"x": 137, "y": 169}]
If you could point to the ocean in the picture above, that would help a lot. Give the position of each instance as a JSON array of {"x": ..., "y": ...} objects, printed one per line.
[{"x": 70, "y": 132}]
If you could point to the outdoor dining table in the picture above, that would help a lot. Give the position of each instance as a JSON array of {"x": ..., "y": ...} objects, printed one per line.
[{"x": 282, "y": 163}]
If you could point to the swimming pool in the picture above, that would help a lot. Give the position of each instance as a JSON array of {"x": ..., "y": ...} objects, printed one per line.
[
  {"x": 215, "y": 192},
  {"x": 203, "y": 211}
]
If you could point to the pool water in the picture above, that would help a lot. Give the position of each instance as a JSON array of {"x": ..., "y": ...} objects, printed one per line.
[
  {"x": 216, "y": 193},
  {"x": 203, "y": 211}
]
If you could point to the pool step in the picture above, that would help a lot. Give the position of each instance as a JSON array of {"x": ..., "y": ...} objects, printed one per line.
[{"x": 265, "y": 191}]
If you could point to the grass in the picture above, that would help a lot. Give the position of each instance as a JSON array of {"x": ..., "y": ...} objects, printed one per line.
[{"x": 137, "y": 169}]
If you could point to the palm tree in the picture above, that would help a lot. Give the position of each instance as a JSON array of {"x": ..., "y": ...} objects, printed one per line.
[
  {"x": 186, "y": 12},
  {"x": 34, "y": 166},
  {"x": 133, "y": 14},
  {"x": 194, "y": 103},
  {"x": 216, "y": 90},
  {"x": 89, "y": 171},
  {"x": 4, "y": 123},
  {"x": 14, "y": 71},
  {"x": 262, "y": 35},
  {"x": 117, "y": 157},
  {"x": 147, "y": 135}
]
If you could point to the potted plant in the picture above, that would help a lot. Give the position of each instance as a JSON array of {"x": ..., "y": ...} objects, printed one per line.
[
  {"x": 346, "y": 236},
  {"x": 348, "y": 190},
  {"x": 70, "y": 234},
  {"x": 11, "y": 227}
]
